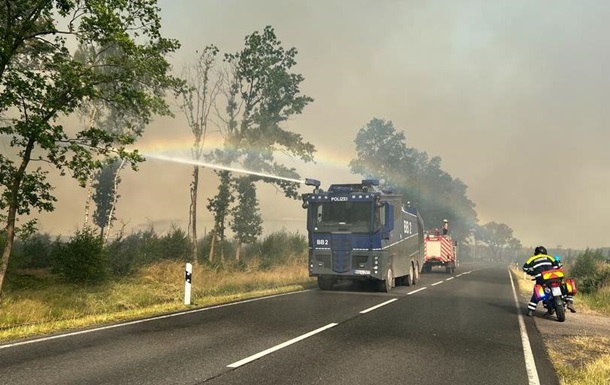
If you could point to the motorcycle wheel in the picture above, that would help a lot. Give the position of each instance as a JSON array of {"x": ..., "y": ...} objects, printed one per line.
[{"x": 561, "y": 313}]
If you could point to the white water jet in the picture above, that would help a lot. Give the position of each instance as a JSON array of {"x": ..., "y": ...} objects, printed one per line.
[{"x": 218, "y": 167}]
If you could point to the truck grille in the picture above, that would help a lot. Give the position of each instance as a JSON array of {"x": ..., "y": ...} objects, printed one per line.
[{"x": 341, "y": 246}]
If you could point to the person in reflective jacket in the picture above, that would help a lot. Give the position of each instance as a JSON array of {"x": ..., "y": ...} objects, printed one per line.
[{"x": 534, "y": 266}]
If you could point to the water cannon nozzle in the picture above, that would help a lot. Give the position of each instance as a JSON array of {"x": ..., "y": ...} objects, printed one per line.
[
  {"x": 370, "y": 182},
  {"x": 312, "y": 182}
]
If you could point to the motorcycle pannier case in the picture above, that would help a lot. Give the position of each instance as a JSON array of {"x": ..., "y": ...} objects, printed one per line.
[
  {"x": 539, "y": 292},
  {"x": 570, "y": 286}
]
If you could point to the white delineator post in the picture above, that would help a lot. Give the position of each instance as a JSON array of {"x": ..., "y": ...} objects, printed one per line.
[{"x": 187, "y": 283}]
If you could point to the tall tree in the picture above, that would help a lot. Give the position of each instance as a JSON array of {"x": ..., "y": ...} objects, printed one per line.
[
  {"x": 247, "y": 221},
  {"x": 262, "y": 94},
  {"x": 41, "y": 82},
  {"x": 196, "y": 102},
  {"x": 382, "y": 152},
  {"x": 105, "y": 195},
  {"x": 497, "y": 236},
  {"x": 220, "y": 206}
]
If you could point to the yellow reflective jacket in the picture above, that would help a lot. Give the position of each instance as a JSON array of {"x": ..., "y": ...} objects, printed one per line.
[{"x": 536, "y": 264}]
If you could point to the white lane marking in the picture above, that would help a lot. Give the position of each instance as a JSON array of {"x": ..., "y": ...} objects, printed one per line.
[
  {"x": 147, "y": 320},
  {"x": 378, "y": 306},
  {"x": 449, "y": 279},
  {"x": 415, "y": 291},
  {"x": 530, "y": 364},
  {"x": 459, "y": 275},
  {"x": 280, "y": 346},
  {"x": 436, "y": 283}
]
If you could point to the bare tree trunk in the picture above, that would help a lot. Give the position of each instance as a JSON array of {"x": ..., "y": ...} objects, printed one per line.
[
  {"x": 92, "y": 116},
  {"x": 212, "y": 244},
  {"x": 222, "y": 247},
  {"x": 238, "y": 251},
  {"x": 88, "y": 201},
  {"x": 10, "y": 237},
  {"x": 115, "y": 188},
  {"x": 193, "y": 214},
  {"x": 13, "y": 204}
]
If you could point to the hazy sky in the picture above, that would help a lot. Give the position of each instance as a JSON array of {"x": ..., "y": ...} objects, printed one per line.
[{"x": 511, "y": 95}]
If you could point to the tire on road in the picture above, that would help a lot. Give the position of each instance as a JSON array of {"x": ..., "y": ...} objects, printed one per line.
[
  {"x": 387, "y": 284},
  {"x": 560, "y": 311},
  {"x": 325, "y": 283}
]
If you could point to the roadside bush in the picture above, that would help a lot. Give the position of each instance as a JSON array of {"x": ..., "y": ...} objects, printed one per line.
[
  {"x": 227, "y": 249},
  {"x": 591, "y": 271},
  {"x": 124, "y": 255},
  {"x": 82, "y": 259},
  {"x": 175, "y": 245},
  {"x": 149, "y": 246},
  {"x": 279, "y": 247},
  {"x": 33, "y": 252}
]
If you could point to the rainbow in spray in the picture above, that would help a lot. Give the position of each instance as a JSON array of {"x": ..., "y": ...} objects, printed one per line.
[
  {"x": 178, "y": 150},
  {"x": 220, "y": 167}
]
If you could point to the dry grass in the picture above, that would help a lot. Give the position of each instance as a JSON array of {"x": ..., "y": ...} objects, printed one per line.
[
  {"x": 155, "y": 290},
  {"x": 581, "y": 360}
]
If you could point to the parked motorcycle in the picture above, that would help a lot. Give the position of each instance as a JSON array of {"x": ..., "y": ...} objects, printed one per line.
[{"x": 553, "y": 292}]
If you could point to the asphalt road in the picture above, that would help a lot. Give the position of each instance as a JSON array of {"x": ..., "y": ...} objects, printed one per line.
[{"x": 448, "y": 329}]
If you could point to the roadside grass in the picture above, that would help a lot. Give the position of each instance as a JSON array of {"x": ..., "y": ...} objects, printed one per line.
[
  {"x": 579, "y": 360},
  {"x": 600, "y": 300},
  {"x": 41, "y": 306}
]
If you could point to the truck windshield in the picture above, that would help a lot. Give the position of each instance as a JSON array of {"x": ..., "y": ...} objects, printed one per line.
[{"x": 342, "y": 216}]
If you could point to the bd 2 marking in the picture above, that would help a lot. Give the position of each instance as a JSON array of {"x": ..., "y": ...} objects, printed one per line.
[{"x": 408, "y": 229}]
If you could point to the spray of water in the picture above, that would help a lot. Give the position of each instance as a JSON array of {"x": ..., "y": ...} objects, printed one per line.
[{"x": 218, "y": 167}]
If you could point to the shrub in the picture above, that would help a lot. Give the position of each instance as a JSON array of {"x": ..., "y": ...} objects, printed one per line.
[
  {"x": 124, "y": 255},
  {"x": 279, "y": 247},
  {"x": 175, "y": 245},
  {"x": 82, "y": 259},
  {"x": 33, "y": 252},
  {"x": 590, "y": 271}
]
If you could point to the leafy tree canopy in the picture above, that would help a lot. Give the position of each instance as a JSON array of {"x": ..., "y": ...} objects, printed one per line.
[
  {"x": 497, "y": 236},
  {"x": 263, "y": 93},
  {"x": 382, "y": 153},
  {"x": 44, "y": 80}
]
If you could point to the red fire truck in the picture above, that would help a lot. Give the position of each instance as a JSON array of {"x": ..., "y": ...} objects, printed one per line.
[{"x": 440, "y": 250}]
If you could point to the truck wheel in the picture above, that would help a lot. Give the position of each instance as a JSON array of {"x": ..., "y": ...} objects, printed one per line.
[
  {"x": 325, "y": 283},
  {"x": 409, "y": 278},
  {"x": 388, "y": 283},
  {"x": 415, "y": 276}
]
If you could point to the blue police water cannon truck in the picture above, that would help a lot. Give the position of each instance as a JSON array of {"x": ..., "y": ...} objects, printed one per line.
[{"x": 360, "y": 232}]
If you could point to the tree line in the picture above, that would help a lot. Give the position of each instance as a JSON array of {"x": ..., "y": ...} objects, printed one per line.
[
  {"x": 85, "y": 258},
  {"x": 117, "y": 78}
]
